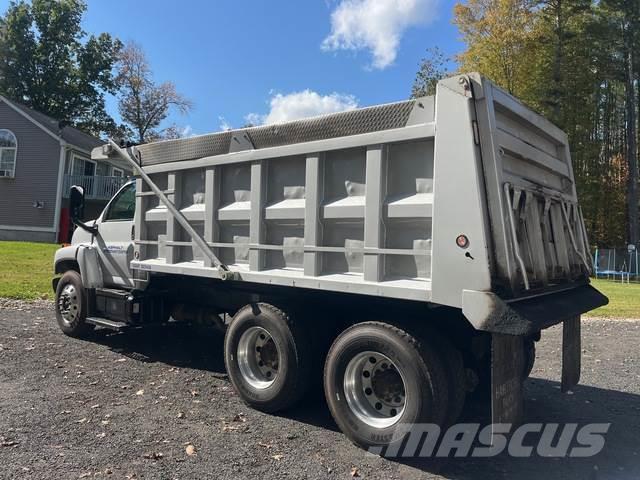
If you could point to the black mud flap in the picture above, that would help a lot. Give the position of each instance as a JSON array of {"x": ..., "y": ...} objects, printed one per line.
[
  {"x": 507, "y": 370},
  {"x": 507, "y": 367},
  {"x": 571, "y": 353}
]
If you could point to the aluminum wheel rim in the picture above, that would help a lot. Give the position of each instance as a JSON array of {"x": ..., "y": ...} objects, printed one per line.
[
  {"x": 258, "y": 358},
  {"x": 68, "y": 304},
  {"x": 375, "y": 389}
]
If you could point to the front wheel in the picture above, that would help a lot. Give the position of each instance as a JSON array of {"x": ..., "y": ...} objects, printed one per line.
[
  {"x": 378, "y": 379},
  {"x": 71, "y": 305}
]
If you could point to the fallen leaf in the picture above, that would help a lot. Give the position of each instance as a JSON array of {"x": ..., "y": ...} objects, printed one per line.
[
  {"x": 105, "y": 422},
  {"x": 180, "y": 414},
  {"x": 239, "y": 418},
  {"x": 97, "y": 405},
  {"x": 82, "y": 420},
  {"x": 195, "y": 393},
  {"x": 153, "y": 455},
  {"x": 191, "y": 450},
  {"x": 277, "y": 456},
  {"x": 8, "y": 443},
  {"x": 265, "y": 445},
  {"x": 101, "y": 435},
  {"x": 140, "y": 392},
  {"x": 355, "y": 472}
]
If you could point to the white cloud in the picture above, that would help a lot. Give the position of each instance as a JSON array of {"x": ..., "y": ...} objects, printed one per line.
[
  {"x": 224, "y": 125},
  {"x": 187, "y": 131},
  {"x": 307, "y": 103},
  {"x": 376, "y": 25},
  {"x": 255, "y": 119}
]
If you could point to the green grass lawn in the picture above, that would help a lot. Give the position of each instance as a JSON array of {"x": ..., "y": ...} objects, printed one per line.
[
  {"x": 624, "y": 299},
  {"x": 26, "y": 270}
]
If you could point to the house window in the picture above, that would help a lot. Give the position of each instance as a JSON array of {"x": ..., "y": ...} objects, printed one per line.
[
  {"x": 8, "y": 152},
  {"x": 84, "y": 174},
  {"x": 83, "y": 166},
  {"x": 116, "y": 172}
]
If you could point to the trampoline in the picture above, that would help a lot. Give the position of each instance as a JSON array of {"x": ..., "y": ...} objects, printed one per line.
[{"x": 616, "y": 262}]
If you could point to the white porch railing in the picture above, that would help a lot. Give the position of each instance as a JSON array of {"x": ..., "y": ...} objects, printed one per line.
[{"x": 95, "y": 187}]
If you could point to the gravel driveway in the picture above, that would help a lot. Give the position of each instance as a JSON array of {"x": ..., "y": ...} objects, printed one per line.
[{"x": 157, "y": 404}]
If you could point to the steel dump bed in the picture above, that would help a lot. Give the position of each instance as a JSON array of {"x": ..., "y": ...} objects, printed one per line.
[{"x": 465, "y": 199}]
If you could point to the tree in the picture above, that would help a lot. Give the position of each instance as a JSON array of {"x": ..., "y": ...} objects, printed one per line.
[
  {"x": 433, "y": 68},
  {"x": 48, "y": 63},
  {"x": 576, "y": 62},
  {"x": 143, "y": 105},
  {"x": 501, "y": 41}
]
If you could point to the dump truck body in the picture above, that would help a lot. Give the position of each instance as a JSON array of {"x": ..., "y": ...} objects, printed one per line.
[{"x": 372, "y": 201}]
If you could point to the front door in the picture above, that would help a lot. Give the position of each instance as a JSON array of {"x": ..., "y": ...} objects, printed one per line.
[{"x": 115, "y": 238}]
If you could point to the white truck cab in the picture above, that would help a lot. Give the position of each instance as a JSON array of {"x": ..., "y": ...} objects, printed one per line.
[{"x": 113, "y": 241}]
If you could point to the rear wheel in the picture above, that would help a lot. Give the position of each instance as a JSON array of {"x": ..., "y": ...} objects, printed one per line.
[
  {"x": 267, "y": 357},
  {"x": 378, "y": 377},
  {"x": 71, "y": 305},
  {"x": 529, "y": 357}
]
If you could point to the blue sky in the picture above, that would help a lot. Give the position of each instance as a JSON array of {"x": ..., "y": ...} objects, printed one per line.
[{"x": 233, "y": 58}]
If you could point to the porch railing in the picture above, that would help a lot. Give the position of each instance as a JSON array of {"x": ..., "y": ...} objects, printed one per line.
[{"x": 95, "y": 187}]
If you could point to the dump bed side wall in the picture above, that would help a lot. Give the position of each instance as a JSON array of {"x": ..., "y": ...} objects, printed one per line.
[{"x": 349, "y": 214}]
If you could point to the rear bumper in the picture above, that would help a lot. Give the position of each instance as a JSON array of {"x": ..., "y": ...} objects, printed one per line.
[{"x": 488, "y": 312}]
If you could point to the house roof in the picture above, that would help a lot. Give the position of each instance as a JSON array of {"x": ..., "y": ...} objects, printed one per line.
[{"x": 71, "y": 135}]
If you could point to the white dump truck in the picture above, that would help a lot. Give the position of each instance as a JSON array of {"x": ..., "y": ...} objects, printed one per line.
[{"x": 403, "y": 255}]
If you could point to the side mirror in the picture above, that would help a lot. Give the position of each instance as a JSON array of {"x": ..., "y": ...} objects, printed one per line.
[
  {"x": 76, "y": 207},
  {"x": 76, "y": 203}
]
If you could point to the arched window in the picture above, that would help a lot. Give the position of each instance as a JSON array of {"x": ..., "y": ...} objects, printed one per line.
[{"x": 8, "y": 152}]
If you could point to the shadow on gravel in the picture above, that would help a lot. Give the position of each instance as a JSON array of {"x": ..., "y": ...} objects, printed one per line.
[
  {"x": 177, "y": 345},
  {"x": 619, "y": 459},
  {"x": 201, "y": 349}
]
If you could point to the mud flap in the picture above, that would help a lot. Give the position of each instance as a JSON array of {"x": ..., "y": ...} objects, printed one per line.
[
  {"x": 571, "y": 353},
  {"x": 507, "y": 366}
]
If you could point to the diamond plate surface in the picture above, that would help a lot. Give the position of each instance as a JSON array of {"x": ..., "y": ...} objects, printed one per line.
[{"x": 354, "y": 122}]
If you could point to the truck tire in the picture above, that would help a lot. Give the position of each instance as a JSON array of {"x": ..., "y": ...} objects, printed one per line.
[
  {"x": 268, "y": 358},
  {"x": 71, "y": 305},
  {"x": 377, "y": 377},
  {"x": 529, "y": 357}
]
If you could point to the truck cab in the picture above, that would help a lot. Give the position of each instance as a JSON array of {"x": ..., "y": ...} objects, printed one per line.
[{"x": 112, "y": 238}]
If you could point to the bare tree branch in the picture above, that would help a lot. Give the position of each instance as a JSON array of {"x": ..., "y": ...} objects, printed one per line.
[{"x": 144, "y": 105}]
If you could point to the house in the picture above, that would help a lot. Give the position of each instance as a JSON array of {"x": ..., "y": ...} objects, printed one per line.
[{"x": 40, "y": 159}]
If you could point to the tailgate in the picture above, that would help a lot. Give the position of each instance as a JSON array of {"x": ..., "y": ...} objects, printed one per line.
[{"x": 539, "y": 241}]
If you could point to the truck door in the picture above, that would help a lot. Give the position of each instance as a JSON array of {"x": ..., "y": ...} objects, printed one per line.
[{"x": 115, "y": 238}]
